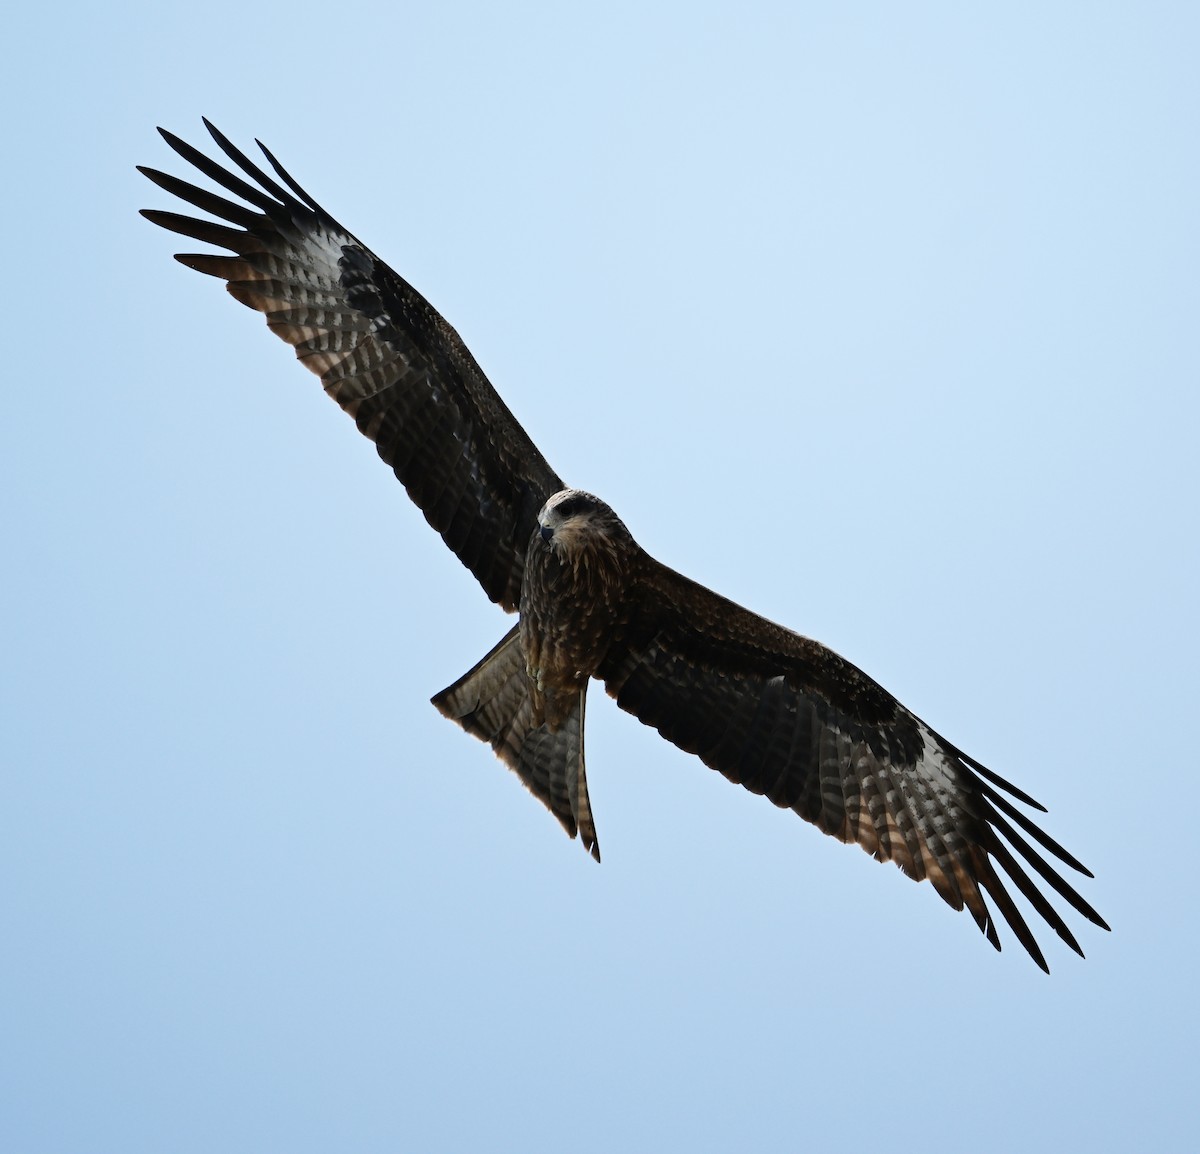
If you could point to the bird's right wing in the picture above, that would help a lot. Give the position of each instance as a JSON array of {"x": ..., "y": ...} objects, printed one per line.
[{"x": 381, "y": 351}]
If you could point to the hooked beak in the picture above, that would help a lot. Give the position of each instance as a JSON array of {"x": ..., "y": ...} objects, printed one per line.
[{"x": 547, "y": 532}]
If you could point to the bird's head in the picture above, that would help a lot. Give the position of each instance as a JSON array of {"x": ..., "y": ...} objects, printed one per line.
[{"x": 574, "y": 523}]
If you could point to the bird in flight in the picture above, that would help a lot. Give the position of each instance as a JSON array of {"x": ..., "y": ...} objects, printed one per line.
[{"x": 771, "y": 710}]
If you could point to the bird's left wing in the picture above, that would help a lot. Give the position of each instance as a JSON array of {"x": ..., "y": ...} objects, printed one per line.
[
  {"x": 381, "y": 351},
  {"x": 789, "y": 719}
]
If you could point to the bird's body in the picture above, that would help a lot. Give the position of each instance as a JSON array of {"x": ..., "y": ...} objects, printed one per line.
[
  {"x": 578, "y": 566},
  {"x": 771, "y": 710}
]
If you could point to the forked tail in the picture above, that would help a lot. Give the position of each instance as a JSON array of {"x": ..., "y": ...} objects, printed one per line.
[{"x": 492, "y": 702}]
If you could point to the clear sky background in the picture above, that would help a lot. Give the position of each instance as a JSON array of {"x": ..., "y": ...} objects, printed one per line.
[{"x": 880, "y": 319}]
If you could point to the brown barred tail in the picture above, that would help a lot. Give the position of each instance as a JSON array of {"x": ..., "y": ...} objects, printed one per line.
[{"x": 492, "y": 702}]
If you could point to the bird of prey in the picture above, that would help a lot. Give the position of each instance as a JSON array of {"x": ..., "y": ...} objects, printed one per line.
[{"x": 769, "y": 709}]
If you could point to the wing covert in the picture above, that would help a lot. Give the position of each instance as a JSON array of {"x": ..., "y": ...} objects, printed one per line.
[{"x": 381, "y": 351}]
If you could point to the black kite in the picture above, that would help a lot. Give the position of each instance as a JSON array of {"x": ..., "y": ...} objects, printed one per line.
[{"x": 771, "y": 710}]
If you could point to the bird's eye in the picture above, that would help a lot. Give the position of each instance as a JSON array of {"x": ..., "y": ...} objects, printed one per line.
[{"x": 570, "y": 507}]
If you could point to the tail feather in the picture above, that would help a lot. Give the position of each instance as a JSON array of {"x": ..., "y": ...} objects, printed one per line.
[{"x": 492, "y": 702}]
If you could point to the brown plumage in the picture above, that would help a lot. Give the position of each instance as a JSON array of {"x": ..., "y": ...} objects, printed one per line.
[{"x": 771, "y": 710}]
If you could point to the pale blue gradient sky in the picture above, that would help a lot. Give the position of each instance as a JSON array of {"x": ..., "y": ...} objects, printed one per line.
[{"x": 882, "y": 322}]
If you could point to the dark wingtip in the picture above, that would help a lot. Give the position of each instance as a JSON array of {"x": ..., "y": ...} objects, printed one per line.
[
  {"x": 290, "y": 181},
  {"x": 159, "y": 178},
  {"x": 1002, "y": 783},
  {"x": 176, "y": 142}
]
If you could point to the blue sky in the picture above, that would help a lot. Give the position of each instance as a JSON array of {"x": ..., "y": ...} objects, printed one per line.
[{"x": 879, "y": 319}]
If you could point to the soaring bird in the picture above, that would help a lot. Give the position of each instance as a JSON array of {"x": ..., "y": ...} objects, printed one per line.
[{"x": 776, "y": 712}]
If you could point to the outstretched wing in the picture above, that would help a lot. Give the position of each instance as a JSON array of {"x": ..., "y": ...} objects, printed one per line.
[
  {"x": 381, "y": 351},
  {"x": 791, "y": 720}
]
